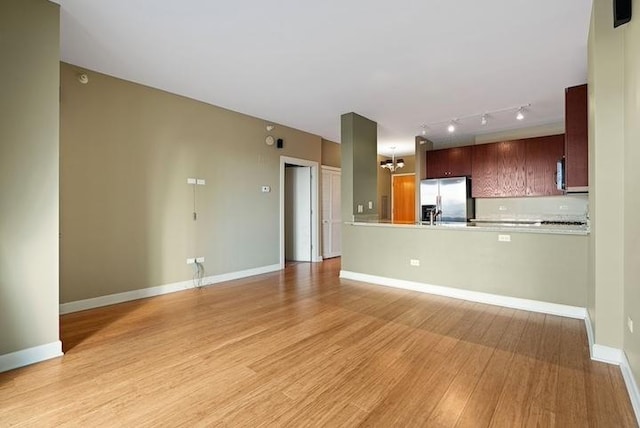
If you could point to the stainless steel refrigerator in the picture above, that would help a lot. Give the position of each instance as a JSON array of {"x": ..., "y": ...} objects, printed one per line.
[{"x": 451, "y": 196}]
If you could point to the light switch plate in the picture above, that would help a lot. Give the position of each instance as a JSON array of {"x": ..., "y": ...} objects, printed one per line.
[
  {"x": 191, "y": 181},
  {"x": 191, "y": 261},
  {"x": 504, "y": 238},
  {"x": 200, "y": 259},
  {"x": 201, "y": 181}
]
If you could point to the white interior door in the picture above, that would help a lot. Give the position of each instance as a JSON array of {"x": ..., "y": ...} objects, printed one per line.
[
  {"x": 298, "y": 213},
  {"x": 331, "y": 218}
]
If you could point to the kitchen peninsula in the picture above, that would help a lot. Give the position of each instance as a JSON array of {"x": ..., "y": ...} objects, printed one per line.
[
  {"x": 533, "y": 265},
  {"x": 541, "y": 265}
]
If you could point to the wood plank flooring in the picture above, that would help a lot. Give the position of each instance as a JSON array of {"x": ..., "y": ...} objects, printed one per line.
[{"x": 303, "y": 348}]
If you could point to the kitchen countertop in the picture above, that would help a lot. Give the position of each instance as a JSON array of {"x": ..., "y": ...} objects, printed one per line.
[{"x": 488, "y": 226}]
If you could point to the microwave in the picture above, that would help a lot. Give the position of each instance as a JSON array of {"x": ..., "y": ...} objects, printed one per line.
[{"x": 560, "y": 175}]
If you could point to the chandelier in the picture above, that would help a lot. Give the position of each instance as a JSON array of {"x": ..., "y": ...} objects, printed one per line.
[{"x": 391, "y": 164}]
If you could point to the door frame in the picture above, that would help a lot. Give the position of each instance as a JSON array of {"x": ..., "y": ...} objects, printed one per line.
[
  {"x": 393, "y": 211},
  {"x": 315, "y": 182}
]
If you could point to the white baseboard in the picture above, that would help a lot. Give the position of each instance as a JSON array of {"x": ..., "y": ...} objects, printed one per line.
[
  {"x": 606, "y": 354},
  {"x": 590, "y": 335},
  {"x": 29, "y": 356},
  {"x": 112, "y": 299},
  {"x": 632, "y": 386},
  {"x": 474, "y": 296}
]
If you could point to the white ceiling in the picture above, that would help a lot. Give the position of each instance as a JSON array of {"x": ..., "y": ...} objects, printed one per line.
[{"x": 403, "y": 63}]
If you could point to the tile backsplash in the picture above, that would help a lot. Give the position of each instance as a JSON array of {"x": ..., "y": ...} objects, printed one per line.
[{"x": 555, "y": 208}]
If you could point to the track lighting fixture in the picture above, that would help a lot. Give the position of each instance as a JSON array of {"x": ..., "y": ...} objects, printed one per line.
[{"x": 484, "y": 118}]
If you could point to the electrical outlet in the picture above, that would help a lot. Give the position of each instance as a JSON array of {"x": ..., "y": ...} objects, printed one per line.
[
  {"x": 191, "y": 261},
  {"x": 370, "y": 205},
  {"x": 191, "y": 181},
  {"x": 630, "y": 324},
  {"x": 502, "y": 208},
  {"x": 201, "y": 181},
  {"x": 200, "y": 259},
  {"x": 504, "y": 238},
  {"x": 360, "y": 208},
  {"x": 414, "y": 262}
]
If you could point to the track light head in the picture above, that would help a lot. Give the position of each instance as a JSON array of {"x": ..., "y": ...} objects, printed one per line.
[
  {"x": 483, "y": 120},
  {"x": 520, "y": 114}
]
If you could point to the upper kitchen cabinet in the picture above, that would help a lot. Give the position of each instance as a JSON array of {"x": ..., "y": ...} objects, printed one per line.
[
  {"x": 542, "y": 155},
  {"x": 511, "y": 168},
  {"x": 516, "y": 168},
  {"x": 484, "y": 181},
  {"x": 454, "y": 162},
  {"x": 576, "y": 139}
]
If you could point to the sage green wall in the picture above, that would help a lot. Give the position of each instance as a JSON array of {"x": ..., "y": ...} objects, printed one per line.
[
  {"x": 614, "y": 180},
  {"x": 384, "y": 190},
  {"x": 632, "y": 190},
  {"x": 331, "y": 154},
  {"x": 546, "y": 267},
  {"x": 126, "y": 209},
  {"x": 606, "y": 180},
  {"x": 359, "y": 140},
  {"x": 29, "y": 34}
]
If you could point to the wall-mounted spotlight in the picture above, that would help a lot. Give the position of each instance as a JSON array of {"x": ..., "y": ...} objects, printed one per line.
[
  {"x": 452, "y": 126},
  {"x": 520, "y": 114},
  {"x": 270, "y": 127},
  {"x": 483, "y": 120},
  {"x": 83, "y": 78}
]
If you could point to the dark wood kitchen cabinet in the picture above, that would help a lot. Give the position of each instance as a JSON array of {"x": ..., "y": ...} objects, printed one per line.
[
  {"x": 542, "y": 155},
  {"x": 454, "y": 162},
  {"x": 516, "y": 168},
  {"x": 576, "y": 139},
  {"x": 484, "y": 159},
  {"x": 512, "y": 176}
]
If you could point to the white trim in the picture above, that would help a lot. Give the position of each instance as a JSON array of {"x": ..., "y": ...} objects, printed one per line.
[
  {"x": 590, "y": 335},
  {"x": 112, "y": 299},
  {"x": 316, "y": 256},
  {"x": 606, "y": 354},
  {"x": 474, "y": 296},
  {"x": 28, "y": 356},
  {"x": 330, "y": 168},
  {"x": 632, "y": 386}
]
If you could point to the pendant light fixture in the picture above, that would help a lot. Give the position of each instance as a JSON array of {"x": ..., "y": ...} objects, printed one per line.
[{"x": 391, "y": 164}]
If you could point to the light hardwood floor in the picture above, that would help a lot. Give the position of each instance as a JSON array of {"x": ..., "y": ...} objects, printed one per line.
[{"x": 303, "y": 348}]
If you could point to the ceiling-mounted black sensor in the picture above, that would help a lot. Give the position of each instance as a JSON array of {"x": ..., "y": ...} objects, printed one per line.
[
  {"x": 280, "y": 143},
  {"x": 621, "y": 12}
]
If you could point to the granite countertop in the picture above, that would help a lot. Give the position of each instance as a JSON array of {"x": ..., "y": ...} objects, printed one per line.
[{"x": 531, "y": 226}]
